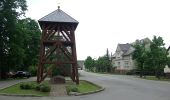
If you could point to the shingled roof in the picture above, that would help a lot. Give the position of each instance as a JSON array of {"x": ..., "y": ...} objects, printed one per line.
[
  {"x": 58, "y": 16},
  {"x": 125, "y": 48}
]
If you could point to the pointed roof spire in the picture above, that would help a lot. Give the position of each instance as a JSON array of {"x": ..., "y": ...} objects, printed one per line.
[
  {"x": 58, "y": 16},
  {"x": 58, "y": 7}
]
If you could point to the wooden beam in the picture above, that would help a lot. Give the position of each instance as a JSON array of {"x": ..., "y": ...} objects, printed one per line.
[
  {"x": 68, "y": 54},
  {"x": 48, "y": 35},
  {"x": 74, "y": 55},
  {"x": 68, "y": 34},
  {"x": 64, "y": 36}
]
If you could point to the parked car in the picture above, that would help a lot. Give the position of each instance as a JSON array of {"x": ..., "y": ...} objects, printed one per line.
[
  {"x": 10, "y": 74},
  {"x": 22, "y": 74}
]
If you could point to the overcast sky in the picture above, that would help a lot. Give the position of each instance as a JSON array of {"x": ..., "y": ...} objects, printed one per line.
[{"x": 105, "y": 23}]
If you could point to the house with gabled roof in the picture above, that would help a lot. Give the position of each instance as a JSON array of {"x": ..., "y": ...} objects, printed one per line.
[{"x": 122, "y": 58}]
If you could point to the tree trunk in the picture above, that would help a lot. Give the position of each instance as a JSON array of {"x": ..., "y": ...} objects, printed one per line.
[
  {"x": 141, "y": 70},
  {"x": 157, "y": 73}
]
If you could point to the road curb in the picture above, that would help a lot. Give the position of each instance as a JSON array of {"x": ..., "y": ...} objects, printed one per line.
[
  {"x": 91, "y": 92},
  {"x": 20, "y": 95}
]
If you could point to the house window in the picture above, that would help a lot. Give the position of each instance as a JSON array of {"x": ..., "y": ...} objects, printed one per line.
[
  {"x": 118, "y": 55},
  {"x": 126, "y": 64}
]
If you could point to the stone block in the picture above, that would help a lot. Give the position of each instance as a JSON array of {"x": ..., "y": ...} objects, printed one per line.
[{"x": 57, "y": 80}]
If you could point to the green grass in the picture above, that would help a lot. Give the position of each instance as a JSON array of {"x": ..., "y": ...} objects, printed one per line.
[
  {"x": 84, "y": 87},
  {"x": 15, "y": 89},
  {"x": 156, "y": 79}
]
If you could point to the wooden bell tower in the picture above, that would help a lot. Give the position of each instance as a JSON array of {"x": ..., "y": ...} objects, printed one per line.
[{"x": 58, "y": 45}]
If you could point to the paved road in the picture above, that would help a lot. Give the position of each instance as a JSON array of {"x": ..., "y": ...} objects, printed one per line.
[
  {"x": 8, "y": 83},
  {"x": 118, "y": 87}
]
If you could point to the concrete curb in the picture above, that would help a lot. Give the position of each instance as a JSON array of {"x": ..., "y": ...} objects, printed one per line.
[
  {"x": 91, "y": 92},
  {"x": 20, "y": 95}
]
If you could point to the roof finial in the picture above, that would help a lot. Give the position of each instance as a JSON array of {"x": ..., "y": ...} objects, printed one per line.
[{"x": 58, "y": 5}]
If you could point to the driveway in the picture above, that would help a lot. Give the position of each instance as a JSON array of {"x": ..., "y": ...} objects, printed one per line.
[{"x": 118, "y": 87}]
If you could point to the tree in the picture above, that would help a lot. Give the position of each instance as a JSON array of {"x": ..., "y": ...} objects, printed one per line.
[
  {"x": 140, "y": 55},
  {"x": 11, "y": 52},
  {"x": 103, "y": 64},
  {"x": 89, "y": 63},
  {"x": 31, "y": 42},
  {"x": 158, "y": 55},
  {"x": 152, "y": 60}
]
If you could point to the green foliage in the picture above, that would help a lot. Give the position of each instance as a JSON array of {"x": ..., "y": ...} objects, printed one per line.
[
  {"x": 56, "y": 71},
  {"x": 33, "y": 70},
  {"x": 153, "y": 59},
  {"x": 89, "y": 63},
  {"x": 11, "y": 38},
  {"x": 140, "y": 56},
  {"x": 72, "y": 88},
  {"x": 102, "y": 64},
  {"x": 15, "y": 89},
  {"x": 26, "y": 85},
  {"x": 19, "y": 39},
  {"x": 45, "y": 87},
  {"x": 158, "y": 54},
  {"x": 83, "y": 87},
  {"x": 31, "y": 41}
]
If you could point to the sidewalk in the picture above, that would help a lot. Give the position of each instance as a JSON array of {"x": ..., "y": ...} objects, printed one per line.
[{"x": 58, "y": 90}]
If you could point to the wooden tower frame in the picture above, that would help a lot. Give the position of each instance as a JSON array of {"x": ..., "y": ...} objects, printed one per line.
[{"x": 58, "y": 37}]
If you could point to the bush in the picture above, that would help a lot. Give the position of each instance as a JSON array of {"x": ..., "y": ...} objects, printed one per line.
[
  {"x": 37, "y": 87},
  {"x": 72, "y": 89},
  {"x": 32, "y": 70},
  {"x": 26, "y": 86},
  {"x": 43, "y": 87}
]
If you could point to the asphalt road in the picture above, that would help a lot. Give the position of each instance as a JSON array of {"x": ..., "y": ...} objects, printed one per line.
[{"x": 118, "y": 87}]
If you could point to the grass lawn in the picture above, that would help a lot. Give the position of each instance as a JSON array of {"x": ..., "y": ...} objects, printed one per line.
[
  {"x": 156, "y": 79},
  {"x": 15, "y": 89},
  {"x": 84, "y": 87}
]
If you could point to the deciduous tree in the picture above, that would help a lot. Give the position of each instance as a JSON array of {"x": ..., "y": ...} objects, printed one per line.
[{"x": 10, "y": 37}]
